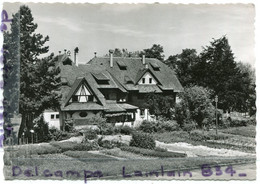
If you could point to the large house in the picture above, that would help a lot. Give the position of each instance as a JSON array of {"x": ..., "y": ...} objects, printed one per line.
[{"x": 112, "y": 87}]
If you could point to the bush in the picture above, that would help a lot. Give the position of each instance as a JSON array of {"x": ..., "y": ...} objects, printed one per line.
[
  {"x": 109, "y": 144},
  {"x": 188, "y": 127},
  {"x": 148, "y": 126},
  {"x": 58, "y": 135},
  {"x": 126, "y": 130},
  {"x": 152, "y": 153},
  {"x": 69, "y": 125},
  {"x": 160, "y": 149},
  {"x": 169, "y": 126},
  {"x": 90, "y": 134},
  {"x": 142, "y": 140},
  {"x": 199, "y": 135},
  {"x": 238, "y": 123}
]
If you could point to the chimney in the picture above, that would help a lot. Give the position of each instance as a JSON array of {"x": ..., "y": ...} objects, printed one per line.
[
  {"x": 146, "y": 66},
  {"x": 76, "y": 51},
  {"x": 143, "y": 59},
  {"x": 95, "y": 54},
  {"x": 65, "y": 50},
  {"x": 59, "y": 52},
  {"x": 111, "y": 58}
]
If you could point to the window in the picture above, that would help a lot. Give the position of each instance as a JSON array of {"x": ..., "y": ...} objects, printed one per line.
[
  {"x": 150, "y": 80},
  {"x": 143, "y": 80},
  {"x": 57, "y": 116},
  {"x": 83, "y": 114},
  {"x": 142, "y": 112},
  {"x": 52, "y": 116},
  {"x": 83, "y": 95}
]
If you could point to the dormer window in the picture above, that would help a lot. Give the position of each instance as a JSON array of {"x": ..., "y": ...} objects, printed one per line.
[
  {"x": 121, "y": 65},
  {"x": 101, "y": 78},
  {"x": 128, "y": 80},
  {"x": 155, "y": 66}
]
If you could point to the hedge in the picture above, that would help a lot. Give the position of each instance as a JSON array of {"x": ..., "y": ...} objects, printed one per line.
[{"x": 152, "y": 153}]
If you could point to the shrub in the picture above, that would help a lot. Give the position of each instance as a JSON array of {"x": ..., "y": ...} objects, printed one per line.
[
  {"x": 41, "y": 128},
  {"x": 126, "y": 130},
  {"x": 90, "y": 134},
  {"x": 152, "y": 153},
  {"x": 142, "y": 140},
  {"x": 198, "y": 135},
  {"x": 238, "y": 123},
  {"x": 160, "y": 149},
  {"x": 188, "y": 127},
  {"x": 58, "y": 135},
  {"x": 169, "y": 126},
  {"x": 148, "y": 126},
  {"x": 69, "y": 125},
  {"x": 87, "y": 146},
  {"x": 109, "y": 144}
]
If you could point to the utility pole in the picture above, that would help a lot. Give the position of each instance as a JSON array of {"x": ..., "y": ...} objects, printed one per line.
[{"x": 216, "y": 101}]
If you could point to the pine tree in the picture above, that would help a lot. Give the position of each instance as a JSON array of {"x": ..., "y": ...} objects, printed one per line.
[
  {"x": 218, "y": 71},
  {"x": 38, "y": 77}
]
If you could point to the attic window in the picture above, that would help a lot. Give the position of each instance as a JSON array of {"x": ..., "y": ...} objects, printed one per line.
[
  {"x": 128, "y": 80},
  {"x": 155, "y": 66},
  {"x": 121, "y": 65},
  {"x": 100, "y": 78}
]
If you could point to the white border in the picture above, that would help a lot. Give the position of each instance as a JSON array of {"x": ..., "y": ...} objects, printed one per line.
[{"x": 256, "y": 2}]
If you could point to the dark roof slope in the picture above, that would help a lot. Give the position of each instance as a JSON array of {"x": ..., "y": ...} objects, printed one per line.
[{"x": 165, "y": 76}]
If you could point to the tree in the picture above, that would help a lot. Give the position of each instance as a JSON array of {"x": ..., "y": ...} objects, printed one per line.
[
  {"x": 160, "y": 105},
  {"x": 38, "y": 79},
  {"x": 195, "y": 106},
  {"x": 156, "y": 51},
  {"x": 217, "y": 70},
  {"x": 183, "y": 65}
]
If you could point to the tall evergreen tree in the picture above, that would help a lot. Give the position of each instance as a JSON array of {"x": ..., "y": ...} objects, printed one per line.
[
  {"x": 218, "y": 71},
  {"x": 38, "y": 77}
]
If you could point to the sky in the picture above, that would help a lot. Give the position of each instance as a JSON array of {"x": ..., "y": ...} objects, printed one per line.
[{"x": 100, "y": 27}]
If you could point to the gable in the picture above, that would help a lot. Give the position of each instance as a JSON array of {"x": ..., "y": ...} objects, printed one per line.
[
  {"x": 148, "y": 79},
  {"x": 83, "y": 94}
]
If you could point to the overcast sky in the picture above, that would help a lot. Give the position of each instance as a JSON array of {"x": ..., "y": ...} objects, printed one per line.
[{"x": 98, "y": 28}]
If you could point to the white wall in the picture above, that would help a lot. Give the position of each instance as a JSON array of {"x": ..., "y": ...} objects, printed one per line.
[
  {"x": 52, "y": 122},
  {"x": 147, "y": 77}
]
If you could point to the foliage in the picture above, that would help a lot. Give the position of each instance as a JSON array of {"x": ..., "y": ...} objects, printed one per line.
[
  {"x": 160, "y": 105},
  {"x": 195, "y": 106},
  {"x": 90, "y": 134},
  {"x": 249, "y": 131},
  {"x": 41, "y": 129},
  {"x": 126, "y": 130},
  {"x": 58, "y": 135},
  {"x": 148, "y": 126},
  {"x": 238, "y": 122},
  {"x": 167, "y": 125},
  {"x": 142, "y": 140},
  {"x": 156, "y": 51},
  {"x": 109, "y": 144},
  {"x": 199, "y": 135},
  {"x": 183, "y": 65},
  {"x": 69, "y": 125},
  {"x": 39, "y": 79},
  {"x": 152, "y": 153}
]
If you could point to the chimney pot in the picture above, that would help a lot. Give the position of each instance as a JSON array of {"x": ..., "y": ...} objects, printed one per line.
[
  {"x": 76, "y": 51},
  {"x": 95, "y": 54},
  {"x": 143, "y": 59},
  {"x": 65, "y": 50},
  {"x": 111, "y": 58}
]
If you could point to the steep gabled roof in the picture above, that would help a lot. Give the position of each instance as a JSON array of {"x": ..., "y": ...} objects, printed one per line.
[{"x": 165, "y": 76}]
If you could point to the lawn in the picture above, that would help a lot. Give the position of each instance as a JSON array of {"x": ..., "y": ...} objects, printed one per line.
[
  {"x": 111, "y": 168},
  {"x": 248, "y": 131},
  {"x": 238, "y": 138}
]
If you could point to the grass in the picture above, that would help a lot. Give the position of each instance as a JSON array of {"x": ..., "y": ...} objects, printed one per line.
[
  {"x": 112, "y": 168},
  {"x": 85, "y": 155},
  {"x": 248, "y": 131},
  {"x": 152, "y": 153},
  {"x": 226, "y": 139}
]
